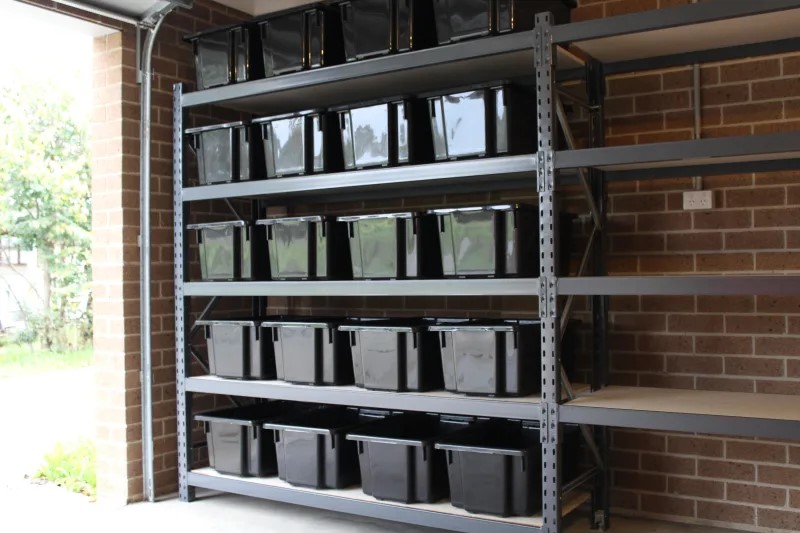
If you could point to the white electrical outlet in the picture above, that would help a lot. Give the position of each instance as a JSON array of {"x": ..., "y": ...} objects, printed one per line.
[{"x": 697, "y": 200}]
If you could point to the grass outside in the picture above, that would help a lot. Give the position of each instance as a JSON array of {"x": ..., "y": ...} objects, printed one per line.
[
  {"x": 71, "y": 466},
  {"x": 22, "y": 359}
]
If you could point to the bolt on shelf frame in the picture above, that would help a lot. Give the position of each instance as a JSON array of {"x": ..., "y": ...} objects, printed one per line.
[{"x": 488, "y": 174}]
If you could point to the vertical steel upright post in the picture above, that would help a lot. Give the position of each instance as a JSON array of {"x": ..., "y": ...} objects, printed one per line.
[
  {"x": 601, "y": 500},
  {"x": 182, "y": 354},
  {"x": 548, "y": 298}
]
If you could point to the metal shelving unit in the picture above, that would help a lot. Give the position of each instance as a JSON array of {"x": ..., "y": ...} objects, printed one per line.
[{"x": 546, "y": 57}]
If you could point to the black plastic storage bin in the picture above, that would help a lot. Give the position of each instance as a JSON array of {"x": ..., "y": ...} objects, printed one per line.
[
  {"x": 495, "y": 468},
  {"x": 399, "y": 461},
  {"x": 313, "y": 450},
  {"x": 311, "y": 352},
  {"x": 236, "y": 350},
  {"x": 482, "y": 122},
  {"x": 238, "y": 444},
  {"x": 489, "y": 241},
  {"x": 491, "y": 358},
  {"x": 301, "y": 39},
  {"x": 464, "y": 19},
  {"x": 312, "y": 247},
  {"x": 299, "y": 143},
  {"x": 227, "y": 250},
  {"x": 395, "y": 357},
  {"x": 393, "y": 246},
  {"x": 226, "y": 55},
  {"x": 224, "y": 153},
  {"x": 385, "y": 134},
  {"x": 380, "y": 27}
]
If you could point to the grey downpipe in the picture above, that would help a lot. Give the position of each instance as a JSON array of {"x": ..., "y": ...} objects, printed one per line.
[{"x": 148, "y": 473}]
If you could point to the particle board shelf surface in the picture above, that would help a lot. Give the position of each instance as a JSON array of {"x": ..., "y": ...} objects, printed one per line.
[
  {"x": 683, "y": 29},
  {"x": 274, "y": 488},
  {"x": 729, "y": 284}
]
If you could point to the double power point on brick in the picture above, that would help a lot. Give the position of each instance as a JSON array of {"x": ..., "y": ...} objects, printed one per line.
[{"x": 698, "y": 200}]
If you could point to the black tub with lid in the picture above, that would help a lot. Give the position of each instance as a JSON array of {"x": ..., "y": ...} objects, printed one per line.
[
  {"x": 227, "y": 55},
  {"x": 489, "y": 241},
  {"x": 238, "y": 444},
  {"x": 224, "y": 153},
  {"x": 227, "y": 250},
  {"x": 393, "y": 245},
  {"x": 490, "y": 357},
  {"x": 495, "y": 467},
  {"x": 381, "y": 27},
  {"x": 310, "y": 351},
  {"x": 299, "y": 143},
  {"x": 301, "y": 39},
  {"x": 397, "y": 356},
  {"x": 398, "y": 458},
  {"x": 498, "y": 120},
  {"x": 465, "y": 19},
  {"x": 313, "y": 450},
  {"x": 236, "y": 349},
  {"x": 309, "y": 247}
]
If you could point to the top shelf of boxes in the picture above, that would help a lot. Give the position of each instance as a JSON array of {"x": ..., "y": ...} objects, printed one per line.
[{"x": 709, "y": 31}]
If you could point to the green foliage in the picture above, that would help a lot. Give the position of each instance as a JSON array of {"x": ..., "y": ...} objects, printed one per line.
[
  {"x": 71, "y": 466},
  {"x": 22, "y": 359},
  {"x": 45, "y": 186}
]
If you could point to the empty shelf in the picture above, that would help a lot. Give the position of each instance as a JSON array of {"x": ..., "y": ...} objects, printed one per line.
[
  {"x": 726, "y": 413},
  {"x": 705, "y": 31},
  {"x": 680, "y": 285},
  {"x": 354, "y": 501}
]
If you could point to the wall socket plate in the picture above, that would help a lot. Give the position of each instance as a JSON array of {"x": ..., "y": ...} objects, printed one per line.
[{"x": 698, "y": 200}]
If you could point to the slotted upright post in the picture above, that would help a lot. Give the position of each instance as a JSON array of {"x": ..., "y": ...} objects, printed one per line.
[
  {"x": 548, "y": 282},
  {"x": 182, "y": 354}
]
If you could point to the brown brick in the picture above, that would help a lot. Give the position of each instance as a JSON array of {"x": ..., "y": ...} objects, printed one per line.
[
  {"x": 759, "y": 197},
  {"x": 639, "y": 322},
  {"x": 765, "y": 386},
  {"x": 703, "y": 488},
  {"x": 727, "y": 262},
  {"x": 665, "y": 343},
  {"x": 749, "y": 113},
  {"x": 787, "y": 520},
  {"x": 636, "y": 203},
  {"x": 663, "y": 101},
  {"x": 634, "y": 85},
  {"x": 703, "y": 446},
  {"x": 778, "y": 261},
  {"x": 615, "y": 107},
  {"x": 694, "y": 364},
  {"x": 668, "y": 464},
  {"x": 755, "y": 451},
  {"x": 725, "y": 384},
  {"x": 791, "y": 65},
  {"x": 694, "y": 323},
  {"x": 637, "y": 124},
  {"x": 666, "y": 381},
  {"x": 750, "y": 70},
  {"x": 774, "y": 89},
  {"x": 623, "y": 460},
  {"x": 669, "y": 303},
  {"x": 753, "y": 240},
  {"x": 778, "y": 475},
  {"x": 634, "y": 440},
  {"x": 677, "y": 79},
  {"x": 754, "y": 366},
  {"x": 726, "y": 512},
  {"x": 755, "y": 494},
  {"x": 723, "y": 344},
  {"x": 794, "y": 498},
  {"x": 622, "y": 264},
  {"x": 778, "y": 304},
  {"x": 664, "y": 137},
  {"x": 709, "y": 220},
  {"x": 681, "y": 120},
  {"x": 793, "y": 368},
  {"x": 725, "y": 304},
  {"x": 690, "y": 242},
  {"x": 727, "y": 131},
  {"x": 666, "y": 263},
  {"x": 624, "y": 499},
  {"x": 636, "y": 362},
  {"x": 755, "y": 324},
  {"x": 777, "y": 346},
  {"x": 778, "y": 217},
  {"x": 725, "y": 94},
  {"x": 667, "y": 505},
  {"x": 637, "y": 243},
  {"x": 726, "y": 470},
  {"x": 664, "y": 222},
  {"x": 640, "y": 481}
]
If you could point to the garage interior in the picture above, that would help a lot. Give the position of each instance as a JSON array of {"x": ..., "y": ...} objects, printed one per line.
[{"x": 666, "y": 306}]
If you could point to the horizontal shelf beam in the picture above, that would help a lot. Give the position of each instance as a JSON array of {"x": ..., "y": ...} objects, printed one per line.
[
  {"x": 431, "y": 287},
  {"x": 748, "y": 148},
  {"x": 680, "y": 285},
  {"x": 708, "y": 412},
  {"x": 490, "y": 174},
  {"x": 436, "y": 402}
]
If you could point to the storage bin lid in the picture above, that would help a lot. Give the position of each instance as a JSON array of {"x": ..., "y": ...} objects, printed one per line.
[
  {"x": 297, "y": 324},
  {"x": 284, "y": 116},
  {"x": 476, "y": 209},
  {"x": 327, "y": 420},
  {"x": 212, "y": 31},
  {"x": 232, "y": 322},
  {"x": 285, "y": 220},
  {"x": 473, "y": 325},
  {"x": 356, "y": 218},
  {"x": 317, "y": 6},
  {"x": 218, "y": 225},
  {"x": 251, "y": 415},
  {"x": 384, "y": 328},
  {"x": 214, "y": 127},
  {"x": 411, "y": 429},
  {"x": 494, "y": 437}
]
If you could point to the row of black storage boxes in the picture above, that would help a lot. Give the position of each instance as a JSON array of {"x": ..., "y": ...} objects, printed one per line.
[
  {"x": 322, "y": 35},
  {"x": 483, "y": 466},
  {"x": 484, "y": 241},
  {"x": 484, "y": 121},
  {"x": 469, "y": 356}
]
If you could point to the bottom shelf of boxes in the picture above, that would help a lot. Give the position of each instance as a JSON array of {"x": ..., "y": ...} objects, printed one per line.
[{"x": 353, "y": 500}]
